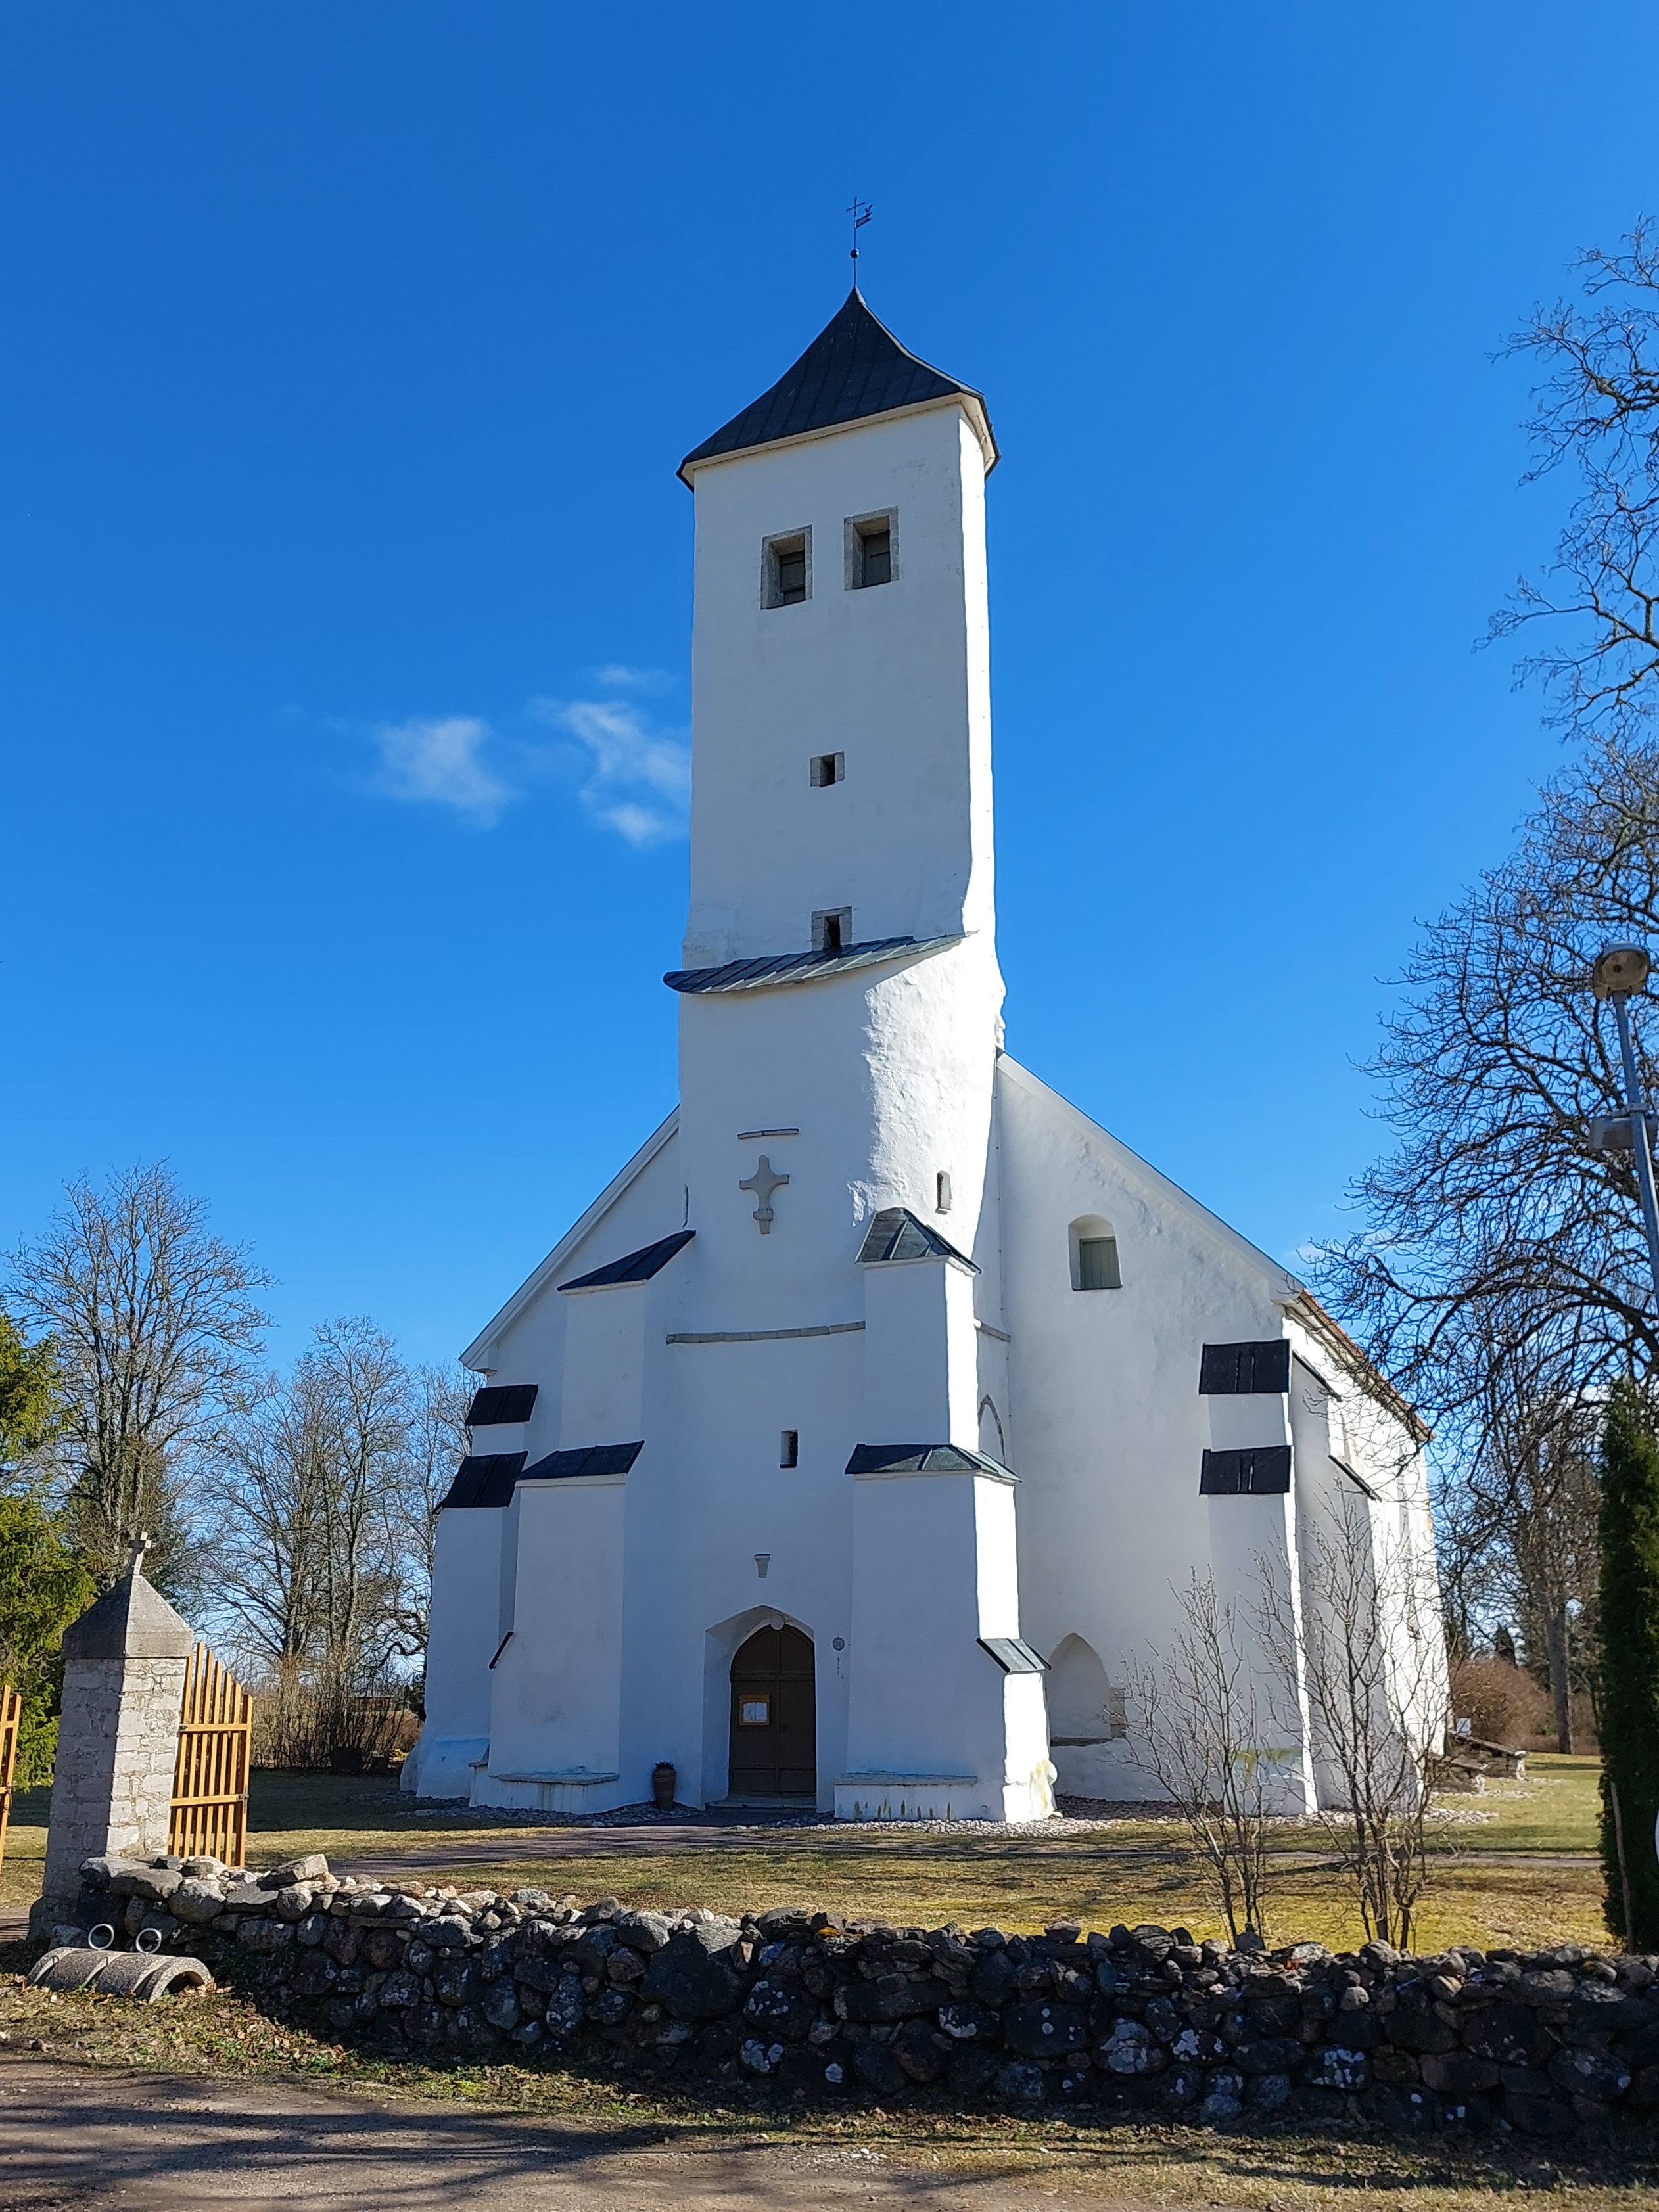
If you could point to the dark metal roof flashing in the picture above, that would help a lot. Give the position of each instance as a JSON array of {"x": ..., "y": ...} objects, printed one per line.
[
  {"x": 488, "y": 1478},
  {"x": 484, "y": 1479},
  {"x": 586, "y": 1459},
  {"x": 924, "y": 1459},
  {"x": 634, "y": 1267},
  {"x": 799, "y": 967},
  {"x": 896, "y": 1234},
  {"x": 856, "y": 368},
  {"x": 499, "y": 1403},
  {"x": 1260, "y": 1470}
]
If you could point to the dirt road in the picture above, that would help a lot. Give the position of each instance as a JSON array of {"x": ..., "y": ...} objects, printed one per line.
[{"x": 109, "y": 2142}]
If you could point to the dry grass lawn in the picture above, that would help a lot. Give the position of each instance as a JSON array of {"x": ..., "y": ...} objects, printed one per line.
[{"x": 1514, "y": 1867}]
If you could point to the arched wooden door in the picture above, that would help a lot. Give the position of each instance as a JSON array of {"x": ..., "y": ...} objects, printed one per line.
[{"x": 774, "y": 1716}]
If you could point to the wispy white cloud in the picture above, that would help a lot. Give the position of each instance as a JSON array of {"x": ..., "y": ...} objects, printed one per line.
[
  {"x": 617, "y": 676},
  {"x": 437, "y": 761},
  {"x": 638, "y": 778}
]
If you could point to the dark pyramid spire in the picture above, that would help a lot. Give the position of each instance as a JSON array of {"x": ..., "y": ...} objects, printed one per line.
[{"x": 854, "y": 368}]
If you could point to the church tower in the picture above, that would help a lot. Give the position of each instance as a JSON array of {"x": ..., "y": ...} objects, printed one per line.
[{"x": 841, "y": 1007}]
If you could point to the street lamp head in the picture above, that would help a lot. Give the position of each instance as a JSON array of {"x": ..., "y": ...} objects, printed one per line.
[{"x": 1620, "y": 970}]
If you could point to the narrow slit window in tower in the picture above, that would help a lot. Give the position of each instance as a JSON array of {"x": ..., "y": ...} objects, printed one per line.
[
  {"x": 832, "y": 929},
  {"x": 941, "y": 1192},
  {"x": 826, "y": 767},
  {"x": 789, "y": 1448}
]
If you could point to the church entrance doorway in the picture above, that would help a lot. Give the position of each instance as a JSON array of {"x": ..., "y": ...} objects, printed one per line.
[{"x": 774, "y": 1716}]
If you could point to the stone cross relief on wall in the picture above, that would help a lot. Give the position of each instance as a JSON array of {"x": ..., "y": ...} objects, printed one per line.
[{"x": 764, "y": 1181}]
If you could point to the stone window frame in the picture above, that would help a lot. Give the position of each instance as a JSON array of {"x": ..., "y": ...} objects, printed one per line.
[
  {"x": 855, "y": 529},
  {"x": 784, "y": 541}
]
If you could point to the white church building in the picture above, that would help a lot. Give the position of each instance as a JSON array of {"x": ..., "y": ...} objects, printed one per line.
[{"x": 849, "y": 1447}]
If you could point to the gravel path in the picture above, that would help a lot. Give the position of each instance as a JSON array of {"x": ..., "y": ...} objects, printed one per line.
[{"x": 107, "y": 2142}]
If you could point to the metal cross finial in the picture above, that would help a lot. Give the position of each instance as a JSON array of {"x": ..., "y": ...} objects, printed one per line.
[
  {"x": 764, "y": 1183},
  {"x": 860, "y": 212},
  {"x": 141, "y": 1544}
]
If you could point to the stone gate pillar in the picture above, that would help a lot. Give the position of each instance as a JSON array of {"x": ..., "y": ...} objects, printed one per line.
[{"x": 123, "y": 1680}]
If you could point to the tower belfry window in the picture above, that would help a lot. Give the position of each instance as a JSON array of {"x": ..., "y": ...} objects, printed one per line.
[
  {"x": 832, "y": 929},
  {"x": 786, "y": 569},
  {"x": 870, "y": 550}
]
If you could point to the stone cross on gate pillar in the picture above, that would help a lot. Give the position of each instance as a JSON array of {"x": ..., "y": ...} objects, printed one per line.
[
  {"x": 764, "y": 1183},
  {"x": 124, "y": 1681}
]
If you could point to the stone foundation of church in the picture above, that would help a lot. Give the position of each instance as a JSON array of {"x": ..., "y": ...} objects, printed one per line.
[{"x": 1139, "y": 2022}]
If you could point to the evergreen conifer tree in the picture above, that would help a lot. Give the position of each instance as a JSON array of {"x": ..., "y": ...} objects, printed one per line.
[{"x": 1630, "y": 1669}]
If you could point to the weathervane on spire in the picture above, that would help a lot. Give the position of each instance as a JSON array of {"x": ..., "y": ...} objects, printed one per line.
[{"x": 860, "y": 212}]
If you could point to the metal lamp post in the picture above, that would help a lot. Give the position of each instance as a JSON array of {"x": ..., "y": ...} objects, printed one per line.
[{"x": 1620, "y": 972}]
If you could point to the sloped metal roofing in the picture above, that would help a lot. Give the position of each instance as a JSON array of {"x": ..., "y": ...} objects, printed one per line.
[
  {"x": 895, "y": 1233},
  {"x": 484, "y": 1478},
  {"x": 587, "y": 1459},
  {"x": 854, "y": 368},
  {"x": 502, "y": 1402},
  {"x": 1014, "y": 1655},
  {"x": 634, "y": 1267},
  {"x": 921, "y": 1459},
  {"x": 799, "y": 967}
]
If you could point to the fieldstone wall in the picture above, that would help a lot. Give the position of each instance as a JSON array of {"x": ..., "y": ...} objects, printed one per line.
[
  {"x": 117, "y": 1743},
  {"x": 1140, "y": 2020}
]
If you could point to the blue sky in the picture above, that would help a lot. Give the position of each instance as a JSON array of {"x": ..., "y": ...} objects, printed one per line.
[{"x": 345, "y": 596}]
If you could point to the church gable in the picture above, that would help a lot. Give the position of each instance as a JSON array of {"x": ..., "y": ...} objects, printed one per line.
[
  {"x": 640, "y": 1210},
  {"x": 1081, "y": 1166}
]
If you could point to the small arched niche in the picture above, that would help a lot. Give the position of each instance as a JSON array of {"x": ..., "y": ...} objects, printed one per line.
[
  {"x": 1094, "y": 1254},
  {"x": 1081, "y": 1709},
  {"x": 992, "y": 1441}
]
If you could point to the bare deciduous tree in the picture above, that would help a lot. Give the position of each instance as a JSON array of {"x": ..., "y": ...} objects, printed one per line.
[
  {"x": 313, "y": 1494},
  {"x": 1201, "y": 1732},
  {"x": 272, "y": 1532},
  {"x": 1365, "y": 1655},
  {"x": 1500, "y": 1275},
  {"x": 438, "y": 1438},
  {"x": 1598, "y": 409},
  {"x": 152, "y": 1319}
]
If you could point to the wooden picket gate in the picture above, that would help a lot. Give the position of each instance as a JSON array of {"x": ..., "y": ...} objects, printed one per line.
[
  {"x": 209, "y": 1812},
  {"x": 11, "y": 1721}
]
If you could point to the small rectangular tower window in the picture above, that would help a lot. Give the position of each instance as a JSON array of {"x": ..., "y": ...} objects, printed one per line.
[
  {"x": 832, "y": 929},
  {"x": 826, "y": 767},
  {"x": 870, "y": 549},
  {"x": 789, "y": 1448},
  {"x": 941, "y": 1192},
  {"x": 786, "y": 569}
]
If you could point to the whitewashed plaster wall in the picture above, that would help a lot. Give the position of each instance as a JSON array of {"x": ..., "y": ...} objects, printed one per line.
[
  {"x": 896, "y": 677},
  {"x": 886, "y": 1074},
  {"x": 935, "y": 1727},
  {"x": 1108, "y": 1424},
  {"x": 466, "y": 1625},
  {"x": 556, "y": 1688}
]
